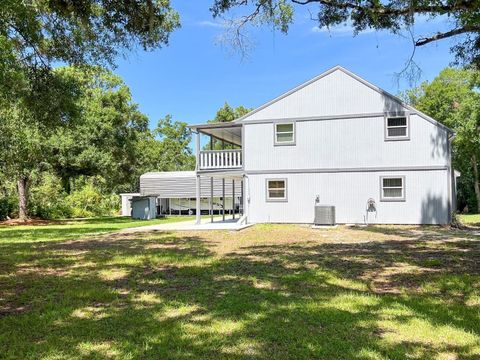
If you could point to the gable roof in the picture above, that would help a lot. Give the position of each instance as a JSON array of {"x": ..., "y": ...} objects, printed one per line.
[{"x": 357, "y": 78}]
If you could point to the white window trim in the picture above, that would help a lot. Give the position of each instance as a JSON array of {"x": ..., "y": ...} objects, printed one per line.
[
  {"x": 407, "y": 126},
  {"x": 283, "y": 143},
  {"x": 386, "y": 198},
  {"x": 267, "y": 196}
]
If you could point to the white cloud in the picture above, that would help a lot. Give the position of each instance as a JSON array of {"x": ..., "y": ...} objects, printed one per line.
[{"x": 212, "y": 24}]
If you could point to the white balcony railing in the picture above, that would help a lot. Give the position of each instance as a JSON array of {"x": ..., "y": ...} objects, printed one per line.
[{"x": 220, "y": 159}]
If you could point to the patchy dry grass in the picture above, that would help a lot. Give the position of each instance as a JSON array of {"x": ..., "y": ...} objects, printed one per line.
[{"x": 269, "y": 291}]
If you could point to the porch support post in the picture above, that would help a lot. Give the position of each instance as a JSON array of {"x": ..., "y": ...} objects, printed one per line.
[
  {"x": 245, "y": 195},
  {"x": 198, "y": 211},
  {"x": 211, "y": 186},
  {"x": 211, "y": 199},
  {"x": 197, "y": 192},
  {"x": 223, "y": 189},
  {"x": 233, "y": 199},
  {"x": 241, "y": 196}
]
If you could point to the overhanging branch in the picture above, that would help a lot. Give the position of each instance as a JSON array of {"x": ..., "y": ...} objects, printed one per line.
[
  {"x": 389, "y": 10},
  {"x": 444, "y": 35}
]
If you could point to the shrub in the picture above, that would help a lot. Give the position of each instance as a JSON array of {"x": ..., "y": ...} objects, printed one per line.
[
  {"x": 8, "y": 204},
  {"x": 88, "y": 201},
  {"x": 47, "y": 199}
]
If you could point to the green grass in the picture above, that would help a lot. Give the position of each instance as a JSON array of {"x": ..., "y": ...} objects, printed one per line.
[
  {"x": 72, "y": 229},
  {"x": 270, "y": 291},
  {"x": 470, "y": 219}
]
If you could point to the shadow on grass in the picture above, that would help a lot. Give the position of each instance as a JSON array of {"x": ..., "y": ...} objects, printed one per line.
[
  {"x": 164, "y": 295},
  {"x": 74, "y": 229}
]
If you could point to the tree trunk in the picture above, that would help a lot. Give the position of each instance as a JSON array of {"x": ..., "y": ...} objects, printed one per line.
[
  {"x": 66, "y": 184},
  {"x": 22, "y": 186},
  {"x": 476, "y": 182}
]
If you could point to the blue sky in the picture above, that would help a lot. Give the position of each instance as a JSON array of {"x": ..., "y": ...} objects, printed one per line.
[{"x": 192, "y": 77}]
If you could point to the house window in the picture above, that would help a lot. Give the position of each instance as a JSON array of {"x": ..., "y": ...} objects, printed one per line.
[
  {"x": 392, "y": 188},
  {"x": 284, "y": 134},
  {"x": 396, "y": 128},
  {"x": 276, "y": 189}
]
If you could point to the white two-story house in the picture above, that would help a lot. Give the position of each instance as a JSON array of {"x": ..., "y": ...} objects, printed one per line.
[{"x": 335, "y": 140}]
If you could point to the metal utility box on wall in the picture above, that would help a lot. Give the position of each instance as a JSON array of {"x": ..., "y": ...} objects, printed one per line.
[
  {"x": 324, "y": 215},
  {"x": 144, "y": 207}
]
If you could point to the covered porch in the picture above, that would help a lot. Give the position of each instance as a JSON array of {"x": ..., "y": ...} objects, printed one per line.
[
  {"x": 223, "y": 148},
  {"x": 220, "y": 157}
]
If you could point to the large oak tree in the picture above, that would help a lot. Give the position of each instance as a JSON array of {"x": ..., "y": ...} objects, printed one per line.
[
  {"x": 36, "y": 36},
  {"x": 462, "y": 17}
]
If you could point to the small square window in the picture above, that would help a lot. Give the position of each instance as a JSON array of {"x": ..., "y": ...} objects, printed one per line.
[
  {"x": 392, "y": 188},
  {"x": 396, "y": 128},
  {"x": 284, "y": 134},
  {"x": 276, "y": 189}
]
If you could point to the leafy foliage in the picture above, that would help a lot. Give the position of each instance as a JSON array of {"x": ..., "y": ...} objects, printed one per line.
[
  {"x": 100, "y": 135},
  {"x": 392, "y": 15},
  {"x": 102, "y": 141},
  {"x": 36, "y": 34},
  {"x": 453, "y": 99},
  {"x": 38, "y": 102},
  {"x": 226, "y": 113},
  {"x": 88, "y": 201}
]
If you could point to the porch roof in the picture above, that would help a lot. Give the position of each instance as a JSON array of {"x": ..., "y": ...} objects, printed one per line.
[{"x": 229, "y": 132}]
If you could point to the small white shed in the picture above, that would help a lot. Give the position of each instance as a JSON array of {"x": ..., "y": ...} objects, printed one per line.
[
  {"x": 144, "y": 207},
  {"x": 126, "y": 203}
]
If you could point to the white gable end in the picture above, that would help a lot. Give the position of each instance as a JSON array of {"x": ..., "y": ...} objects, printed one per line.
[{"x": 331, "y": 94}]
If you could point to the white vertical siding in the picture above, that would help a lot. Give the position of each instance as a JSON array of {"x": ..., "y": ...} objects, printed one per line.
[
  {"x": 345, "y": 143},
  {"x": 426, "y": 198},
  {"x": 337, "y": 93}
]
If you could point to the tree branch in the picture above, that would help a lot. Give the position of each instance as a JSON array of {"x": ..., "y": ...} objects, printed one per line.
[
  {"x": 440, "y": 36},
  {"x": 388, "y": 10}
]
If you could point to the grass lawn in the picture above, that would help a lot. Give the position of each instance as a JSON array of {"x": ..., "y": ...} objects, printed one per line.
[
  {"x": 470, "y": 219},
  {"x": 269, "y": 291},
  {"x": 73, "y": 229}
]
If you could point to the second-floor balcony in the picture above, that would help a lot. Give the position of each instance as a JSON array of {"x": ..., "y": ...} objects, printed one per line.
[
  {"x": 219, "y": 135},
  {"x": 220, "y": 159}
]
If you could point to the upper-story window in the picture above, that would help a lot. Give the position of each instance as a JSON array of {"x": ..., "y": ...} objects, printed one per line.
[
  {"x": 397, "y": 128},
  {"x": 284, "y": 134}
]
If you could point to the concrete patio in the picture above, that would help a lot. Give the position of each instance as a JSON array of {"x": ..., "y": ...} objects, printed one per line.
[{"x": 190, "y": 225}]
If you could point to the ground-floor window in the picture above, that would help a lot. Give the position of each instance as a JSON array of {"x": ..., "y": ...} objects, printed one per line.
[
  {"x": 392, "y": 188},
  {"x": 276, "y": 189}
]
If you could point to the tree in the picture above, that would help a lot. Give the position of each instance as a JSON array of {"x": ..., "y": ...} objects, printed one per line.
[
  {"x": 38, "y": 33},
  {"x": 102, "y": 136},
  {"x": 226, "y": 114},
  {"x": 392, "y": 15},
  {"x": 167, "y": 148},
  {"x": 24, "y": 130},
  {"x": 35, "y": 35},
  {"x": 103, "y": 140},
  {"x": 453, "y": 99},
  {"x": 83, "y": 30}
]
